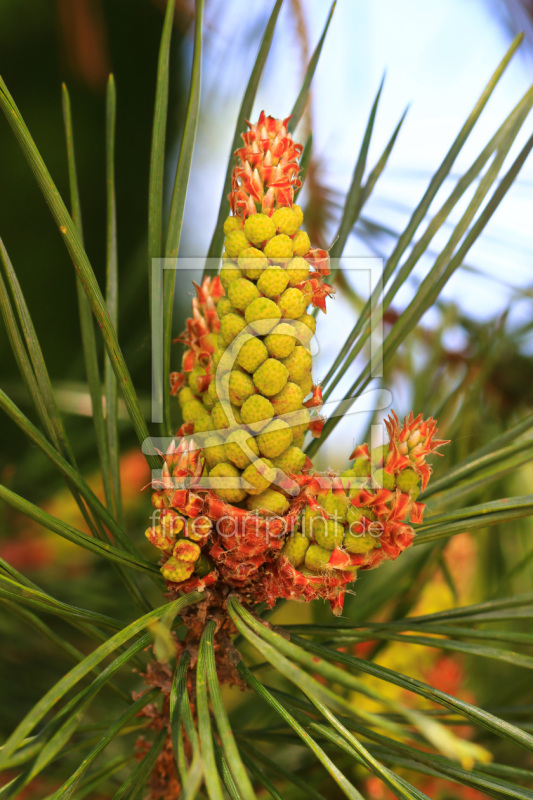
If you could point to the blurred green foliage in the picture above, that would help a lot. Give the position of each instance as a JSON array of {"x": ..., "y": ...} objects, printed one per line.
[{"x": 43, "y": 44}]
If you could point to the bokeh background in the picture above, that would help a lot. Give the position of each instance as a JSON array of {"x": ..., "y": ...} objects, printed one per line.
[
  {"x": 436, "y": 58},
  {"x": 475, "y": 345}
]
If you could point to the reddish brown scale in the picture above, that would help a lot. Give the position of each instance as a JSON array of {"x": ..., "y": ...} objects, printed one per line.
[{"x": 197, "y": 336}]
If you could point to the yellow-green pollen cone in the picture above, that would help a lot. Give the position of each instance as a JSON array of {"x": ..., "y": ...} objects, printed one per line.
[{"x": 247, "y": 400}]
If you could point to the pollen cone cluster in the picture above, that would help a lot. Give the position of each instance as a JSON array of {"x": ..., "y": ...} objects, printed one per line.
[{"x": 238, "y": 500}]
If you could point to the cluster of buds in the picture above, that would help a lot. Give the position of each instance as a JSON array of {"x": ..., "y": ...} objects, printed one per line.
[
  {"x": 199, "y": 339},
  {"x": 266, "y": 175},
  {"x": 360, "y": 518},
  {"x": 238, "y": 500},
  {"x": 180, "y": 531},
  {"x": 334, "y": 526}
]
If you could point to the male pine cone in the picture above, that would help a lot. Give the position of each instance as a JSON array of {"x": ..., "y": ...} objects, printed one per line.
[
  {"x": 238, "y": 487},
  {"x": 259, "y": 373}
]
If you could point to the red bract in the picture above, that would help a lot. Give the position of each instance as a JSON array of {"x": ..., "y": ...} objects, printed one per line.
[
  {"x": 319, "y": 260},
  {"x": 317, "y": 290},
  {"x": 198, "y": 338},
  {"x": 411, "y": 442}
]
